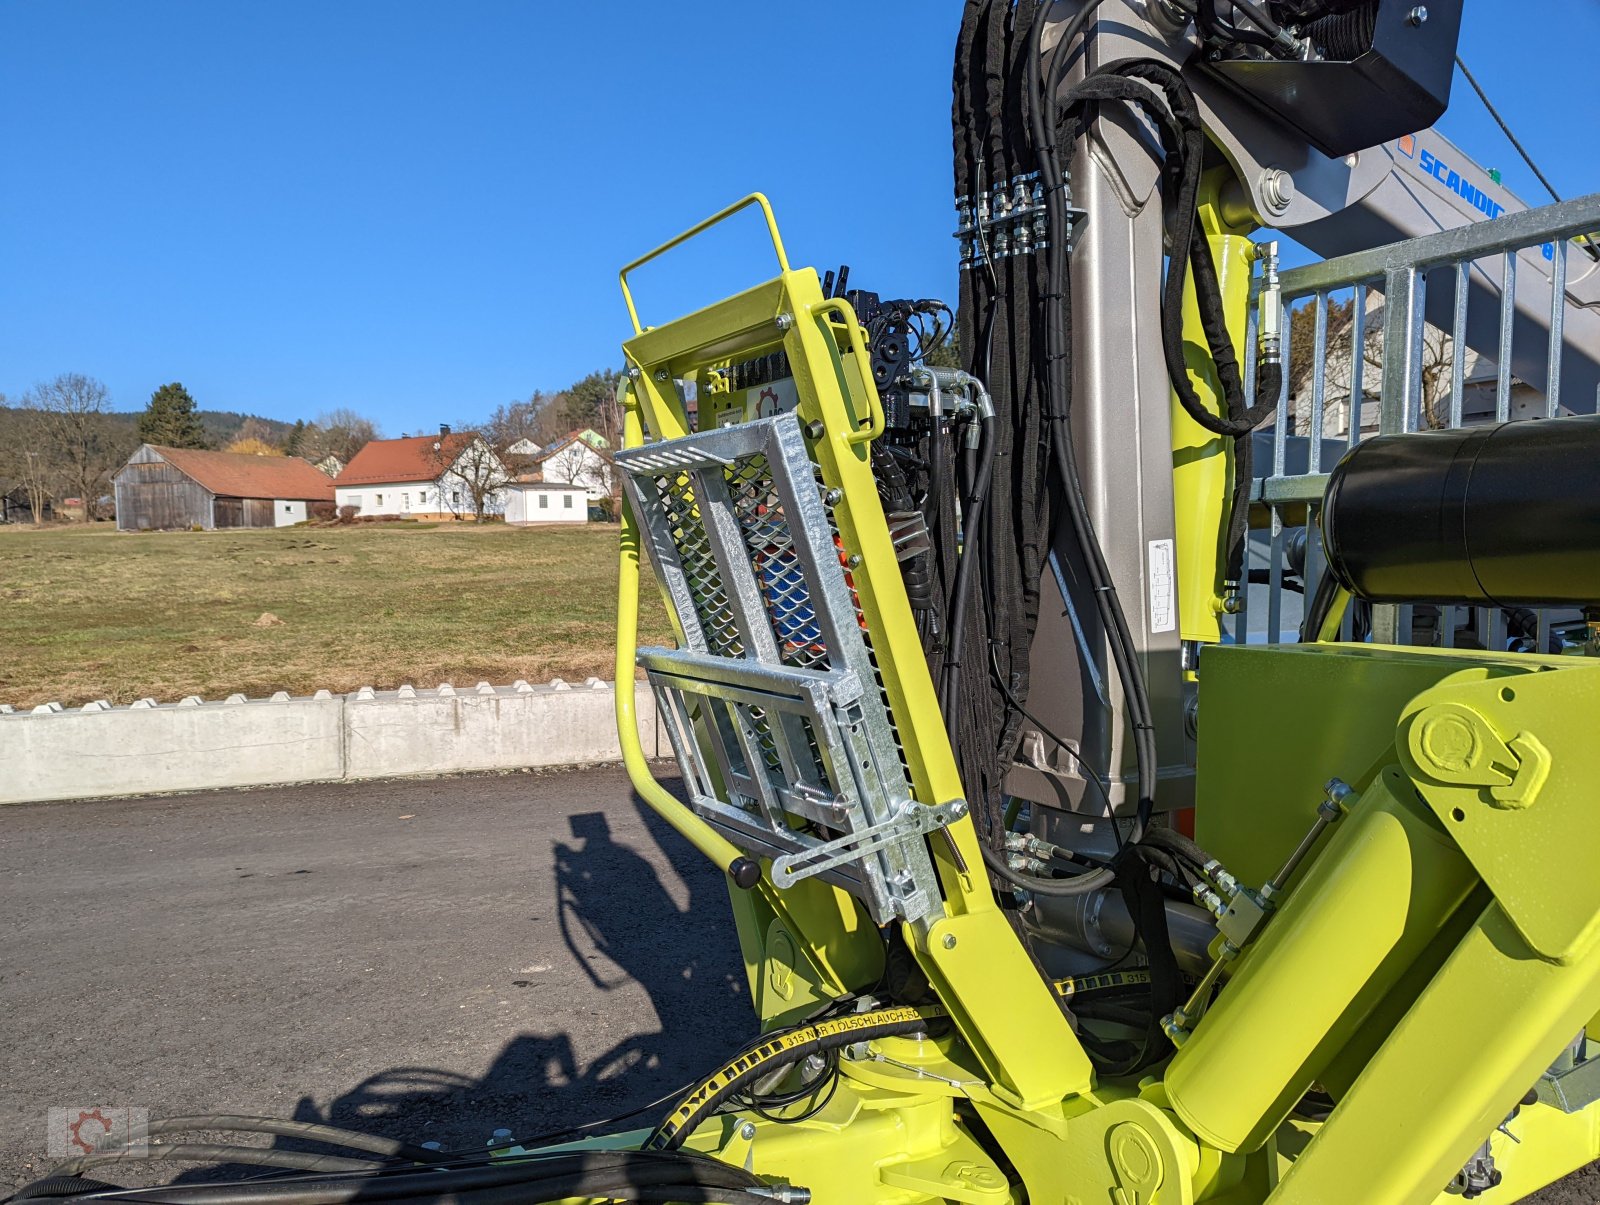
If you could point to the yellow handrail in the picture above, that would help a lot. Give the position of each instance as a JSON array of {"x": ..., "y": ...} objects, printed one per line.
[
  {"x": 858, "y": 340},
  {"x": 754, "y": 198},
  {"x": 744, "y": 871}
]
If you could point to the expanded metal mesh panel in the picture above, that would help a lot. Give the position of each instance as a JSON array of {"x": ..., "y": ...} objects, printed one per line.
[
  {"x": 1454, "y": 329},
  {"x": 676, "y": 493},
  {"x": 767, "y": 539}
]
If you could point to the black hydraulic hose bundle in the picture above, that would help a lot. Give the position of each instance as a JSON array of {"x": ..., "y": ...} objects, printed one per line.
[
  {"x": 1016, "y": 317},
  {"x": 1006, "y": 519},
  {"x": 1057, "y": 318}
]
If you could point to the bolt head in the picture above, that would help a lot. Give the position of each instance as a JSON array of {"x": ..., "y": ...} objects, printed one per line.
[
  {"x": 1417, "y": 16},
  {"x": 785, "y": 321},
  {"x": 1277, "y": 189},
  {"x": 748, "y": 1130},
  {"x": 949, "y": 941}
]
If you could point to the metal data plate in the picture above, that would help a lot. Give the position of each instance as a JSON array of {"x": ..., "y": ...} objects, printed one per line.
[{"x": 774, "y": 705}]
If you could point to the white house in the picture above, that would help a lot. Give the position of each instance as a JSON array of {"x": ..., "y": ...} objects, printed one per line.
[
  {"x": 546, "y": 502},
  {"x": 523, "y": 447},
  {"x": 579, "y": 458},
  {"x": 424, "y": 476}
]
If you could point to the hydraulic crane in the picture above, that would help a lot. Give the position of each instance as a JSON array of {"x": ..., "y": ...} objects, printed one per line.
[{"x": 1058, "y": 879}]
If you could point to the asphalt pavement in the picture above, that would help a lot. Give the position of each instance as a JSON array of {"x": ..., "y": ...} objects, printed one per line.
[{"x": 428, "y": 959}]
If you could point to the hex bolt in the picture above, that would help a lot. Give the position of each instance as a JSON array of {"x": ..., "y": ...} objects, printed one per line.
[
  {"x": 1417, "y": 15},
  {"x": 747, "y": 1131},
  {"x": 949, "y": 942},
  {"x": 785, "y": 321},
  {"x": 633, "y": 373},
  {"x": 833, "y": 496},
  {"x": 852, "y": 561}
]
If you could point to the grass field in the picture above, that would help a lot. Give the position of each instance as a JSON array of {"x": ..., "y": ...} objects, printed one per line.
[{"x": 87, "y": 613}]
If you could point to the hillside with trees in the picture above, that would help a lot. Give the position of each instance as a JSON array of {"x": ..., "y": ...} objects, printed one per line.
[{"x": 63, "y": 440}]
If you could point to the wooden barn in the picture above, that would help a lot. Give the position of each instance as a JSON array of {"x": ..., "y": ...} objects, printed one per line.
[{"x": 165, "y": 488}]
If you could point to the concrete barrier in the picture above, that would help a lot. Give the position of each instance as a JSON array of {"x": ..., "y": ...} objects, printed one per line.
[{"x": 100, "y": 750}]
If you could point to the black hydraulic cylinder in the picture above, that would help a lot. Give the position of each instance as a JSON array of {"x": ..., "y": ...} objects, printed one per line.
[{"x": 1507, "y": 515}]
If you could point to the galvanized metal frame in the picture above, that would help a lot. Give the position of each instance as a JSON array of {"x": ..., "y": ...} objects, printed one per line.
[
  {"x": 775, "y": 674},
  {"x": 1400, "y": 272}
]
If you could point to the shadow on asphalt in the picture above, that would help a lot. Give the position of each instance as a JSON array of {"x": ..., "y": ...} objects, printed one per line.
[{"x": 621, "y": 925}]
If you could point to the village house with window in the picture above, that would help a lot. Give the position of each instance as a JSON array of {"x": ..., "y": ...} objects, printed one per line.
[
  {"x": 579, "y": 458},
  {"x": 451, "y": 475},
  {"x": 165, "y": 488},
  {"x": 529, "y": 502}
]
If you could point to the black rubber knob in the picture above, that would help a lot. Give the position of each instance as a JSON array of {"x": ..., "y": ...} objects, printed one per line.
[{"x": 745, "y": 872}]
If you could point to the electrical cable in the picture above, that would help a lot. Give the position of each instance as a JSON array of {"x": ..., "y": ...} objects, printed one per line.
[
  {"x": 1090, "y": 774},
  {"x": 1506, "y": 129}
]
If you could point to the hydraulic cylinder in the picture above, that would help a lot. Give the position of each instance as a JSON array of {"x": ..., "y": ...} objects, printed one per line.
[{"x": 1383, "y": 886}]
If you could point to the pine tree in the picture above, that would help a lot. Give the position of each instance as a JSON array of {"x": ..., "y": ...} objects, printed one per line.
[
  {"x": 170, "y": 419},
  {"x": 295, "y": 444}
]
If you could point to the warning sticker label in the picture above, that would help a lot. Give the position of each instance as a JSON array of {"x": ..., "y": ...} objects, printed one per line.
[{"x": 1163, "y": 587}]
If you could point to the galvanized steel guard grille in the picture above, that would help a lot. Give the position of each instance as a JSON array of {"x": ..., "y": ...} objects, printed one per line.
[
  {"x": 774, "y": 705},
  {"x": 1500, "y": 299}
]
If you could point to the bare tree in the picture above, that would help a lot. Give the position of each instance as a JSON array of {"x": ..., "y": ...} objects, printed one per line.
[
  {"x": 340, "y": 433},
  {"x": 1437, "y": 359},
  {"x": 580, "y": 463},
  {"x": 25, "y": 462},
  {"x": 471, "y": 477},
  {"x": 77, "y": 439},
  {"x": 255, "y": 429},
  {"x": 1339, "y": 374},
  {"x": 517, "y": 420}
]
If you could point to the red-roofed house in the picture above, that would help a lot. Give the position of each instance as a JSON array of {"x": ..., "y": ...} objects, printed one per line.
[
  {"x": 164, "y": 488},
  {"x": 442, "y": 476}
]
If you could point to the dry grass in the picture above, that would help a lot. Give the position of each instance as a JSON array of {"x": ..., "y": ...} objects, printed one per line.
[{"x": 88, "y": 613}]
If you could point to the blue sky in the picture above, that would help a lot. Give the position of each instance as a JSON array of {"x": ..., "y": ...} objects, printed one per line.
[{"x": 418, "y": 210}]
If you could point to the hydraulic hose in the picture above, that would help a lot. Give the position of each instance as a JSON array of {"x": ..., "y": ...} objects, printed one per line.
[
  {"x": 208, "y": 1152},
  {"x": 1057, "y": 347},
  {"x": 782, "y": 1050},
  {"x": 1081, "y": 884},
  {"x": 1171, "y": 839},
  {"x": 311, "y": 1131},
  {"x": 972, "y": 529},
  {"x": 610, "y": 1174}
]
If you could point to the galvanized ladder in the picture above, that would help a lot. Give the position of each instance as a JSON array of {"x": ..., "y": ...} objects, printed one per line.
[{"x": 777, "y": 704}]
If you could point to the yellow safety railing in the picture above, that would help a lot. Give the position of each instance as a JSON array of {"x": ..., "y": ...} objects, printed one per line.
[{"x": 721, "y": 215}]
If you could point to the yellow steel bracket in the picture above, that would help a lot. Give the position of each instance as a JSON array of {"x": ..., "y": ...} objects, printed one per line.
[
  {"x": 1202, "y": 461},
  {"x": 1508, "y": 765},
  {"x": 997, "y": 1000}
]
